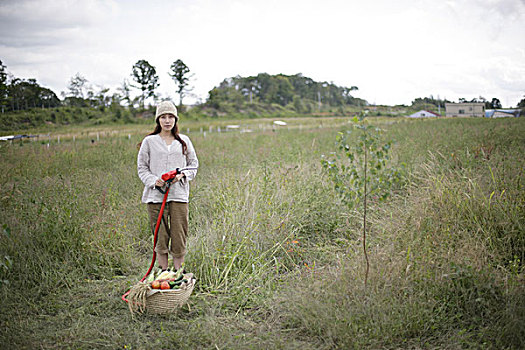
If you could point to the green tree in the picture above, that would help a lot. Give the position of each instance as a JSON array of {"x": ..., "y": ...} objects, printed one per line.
[
  {"x": 77, "y": 86},
  {"x": 125, "y": 92},
  {"x": 102, "y": 98},
  {"x": 421, "y": 102},
  {"x": 225, "y": 95},
  {"x": 47, "y": 98},
  {"x": 495, "y": 103},
  {"x": 25, "y": 94},
  {"x": 284, "y": 90},
  {"x": 521, "y": 104},
  {"x": 20, "y": 94},
  {"x": 146, "y": 76},
  {"x": 180, "y": 75},
  {"x": 480, "y": 99},
  {"x": 298, "y": 104},
  {"x": 361, "y": 170},
  {"x": 3, "y": 86}
]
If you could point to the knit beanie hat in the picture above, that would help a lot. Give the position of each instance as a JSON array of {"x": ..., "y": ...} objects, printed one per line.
[{"x": 166, "y": 107}]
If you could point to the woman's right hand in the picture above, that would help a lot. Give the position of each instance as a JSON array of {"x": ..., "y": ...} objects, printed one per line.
[{"x": 159, "y": 183}]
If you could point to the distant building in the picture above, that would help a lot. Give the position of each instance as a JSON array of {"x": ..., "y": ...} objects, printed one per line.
[
  {"x": 469, "y": 109},
  {"x": 424, "y": 114}
]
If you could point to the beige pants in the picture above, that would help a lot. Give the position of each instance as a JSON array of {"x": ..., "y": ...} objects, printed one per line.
[{"x": 173, "y": 227}]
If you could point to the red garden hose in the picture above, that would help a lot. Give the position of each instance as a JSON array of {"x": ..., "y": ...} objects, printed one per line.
[
  {"x": 167, "y": 178},
  {"x": 168, "y": 184}
]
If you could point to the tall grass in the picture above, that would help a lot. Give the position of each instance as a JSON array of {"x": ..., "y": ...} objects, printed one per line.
[
  {"x": 66, "y": 209},
  {"x": 447, "y": 256},
  {"x": 253, "y": 216},
  {"x": 277, "y": 257}
]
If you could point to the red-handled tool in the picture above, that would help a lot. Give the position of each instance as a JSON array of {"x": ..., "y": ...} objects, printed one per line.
[
  {"x": 168, "y": 178},
  {"x": 170, "y": 175}
]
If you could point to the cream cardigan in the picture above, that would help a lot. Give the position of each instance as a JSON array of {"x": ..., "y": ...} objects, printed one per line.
[{"x": 155, "y": 159}]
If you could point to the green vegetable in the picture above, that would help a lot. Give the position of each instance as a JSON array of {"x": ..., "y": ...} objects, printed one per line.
[
  {"x": 176, "y": 284},
  {"x": 179, "y": 274},
  {"x": 179, "y": 278}
]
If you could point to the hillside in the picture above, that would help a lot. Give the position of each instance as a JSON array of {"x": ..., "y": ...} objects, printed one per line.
[{"x": 27, "y": 105}]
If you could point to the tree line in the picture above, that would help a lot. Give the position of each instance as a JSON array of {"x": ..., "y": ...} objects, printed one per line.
[
  {"x": 493, "y": 103},
  {"x": 302, "y": 93},
  {"x": 18, "y": 94},
  {"x": 263, "y": 92}
]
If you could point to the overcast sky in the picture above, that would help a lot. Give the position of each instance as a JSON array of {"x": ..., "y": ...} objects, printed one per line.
[{"x": 393, "y": 51}]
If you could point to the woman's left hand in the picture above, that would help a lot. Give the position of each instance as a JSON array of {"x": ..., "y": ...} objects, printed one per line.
[{"x": 178, "y": 177}]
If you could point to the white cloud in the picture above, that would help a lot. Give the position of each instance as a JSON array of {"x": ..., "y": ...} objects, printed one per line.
[{"x": 393, "y": 51}]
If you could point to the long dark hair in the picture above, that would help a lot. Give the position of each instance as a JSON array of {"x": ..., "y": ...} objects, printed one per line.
[{"x": 174, "y": 132}]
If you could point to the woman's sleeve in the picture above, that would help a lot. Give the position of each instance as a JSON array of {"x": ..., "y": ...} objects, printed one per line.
[
  {"x": 143, "y": 161},
  {"x": 191, "y": 161}
]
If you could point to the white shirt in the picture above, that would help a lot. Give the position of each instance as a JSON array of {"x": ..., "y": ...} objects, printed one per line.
[{"x": 156, "y": 158}]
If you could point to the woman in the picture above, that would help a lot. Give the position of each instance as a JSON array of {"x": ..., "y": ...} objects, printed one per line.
[{"x": 161, "y": 151}]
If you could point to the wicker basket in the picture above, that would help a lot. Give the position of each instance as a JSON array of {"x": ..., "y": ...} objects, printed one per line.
[{"x": 160, "y": 301}]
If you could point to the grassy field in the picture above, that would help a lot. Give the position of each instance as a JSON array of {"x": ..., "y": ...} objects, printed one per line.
[{"x": 278, "y": 258}]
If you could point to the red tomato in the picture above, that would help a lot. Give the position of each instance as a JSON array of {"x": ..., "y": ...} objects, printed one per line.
[
  {"x": 155, "y": 284},
  {"x": 165, "y": 285}
]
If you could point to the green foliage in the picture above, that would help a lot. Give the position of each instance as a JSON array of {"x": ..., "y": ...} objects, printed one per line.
[
  {"x": 180, "y": 75},
  {"x": 443, "y": 273},
  {"x": 146, "y": 77},
  {"x": 521, "y": 104},
  {"x": 347, "y": 167},
  {"x": 77, "y": 86},
  {"x": 56, "y": 117},
  {"x": 298, "y": 92},
  {"x": 4, "y": 95},
  {"x": 5, "y": 260},
  {"x": 25, "y": 94},
  {"x": 495, "y": 103},
  {"x": 430, "y": 101},
  {"x": 55, "y": 244},
  {"x": 469, "y": 295},
  {"x": 19, "y": 94}
]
